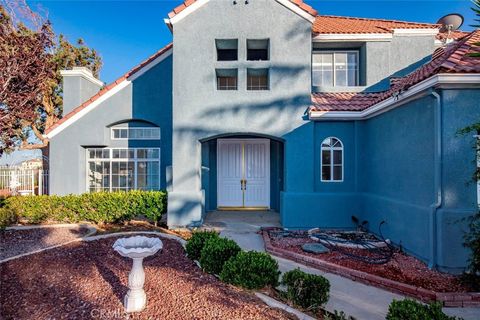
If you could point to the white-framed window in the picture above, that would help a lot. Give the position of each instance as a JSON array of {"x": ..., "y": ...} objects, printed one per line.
[
  {"x": 123, "y": 169},
  {"x": 331, "y": 160},
  {"x": 136, "y": 133},
  {"x": 335, "y": 69}
]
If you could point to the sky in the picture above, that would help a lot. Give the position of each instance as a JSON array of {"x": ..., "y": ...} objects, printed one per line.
[{"x": 127, "y": 32}]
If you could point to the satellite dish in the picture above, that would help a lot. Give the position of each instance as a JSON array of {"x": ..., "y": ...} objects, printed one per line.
[{"x": 450, "y": 22}]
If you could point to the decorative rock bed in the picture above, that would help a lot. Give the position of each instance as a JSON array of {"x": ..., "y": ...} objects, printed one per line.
[
  {"x": 84, "y": 280},
  {"x": 20, "y": 240},
  {"x": 403, "y": 274}
]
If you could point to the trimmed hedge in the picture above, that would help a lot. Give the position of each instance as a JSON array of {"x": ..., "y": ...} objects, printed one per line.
[
  {"x": 216, "y": 252},
  {"x": 196, "y": 243},
  {"x": 101, "y": 207},
  {"x": 413, "y": 310},
  {"x": 306, "y": 290},
  {"x": 251, "y": 270}
]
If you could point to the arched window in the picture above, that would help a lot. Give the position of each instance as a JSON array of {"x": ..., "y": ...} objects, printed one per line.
[{"x": 332, "y": 160}]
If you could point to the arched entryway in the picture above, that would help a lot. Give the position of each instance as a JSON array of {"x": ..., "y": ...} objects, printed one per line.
[{"x": 242, "y": 171}]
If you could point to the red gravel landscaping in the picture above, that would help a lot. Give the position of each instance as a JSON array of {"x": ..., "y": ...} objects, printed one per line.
[
  {"x": 402, "y": 268},
  {"x": 88, "y": 280},
  {"x": 18, "y": 241}
]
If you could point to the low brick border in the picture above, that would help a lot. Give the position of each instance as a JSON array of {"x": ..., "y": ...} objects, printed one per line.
[{"x": 448, "y": 299}]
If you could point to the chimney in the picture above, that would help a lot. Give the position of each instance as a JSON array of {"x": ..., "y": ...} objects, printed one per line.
[{"x": 79, "y": 85}]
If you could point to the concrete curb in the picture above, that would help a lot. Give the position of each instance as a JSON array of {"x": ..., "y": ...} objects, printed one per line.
[
  {"x": 448, "y": 299},
  {"x": 269, "y": 301}
]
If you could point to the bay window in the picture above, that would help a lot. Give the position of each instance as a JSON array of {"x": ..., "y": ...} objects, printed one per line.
[{"x": 123, "y": 169}]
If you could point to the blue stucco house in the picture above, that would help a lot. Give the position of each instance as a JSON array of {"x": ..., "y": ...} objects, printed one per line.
[{"x": 267, "y": 105}]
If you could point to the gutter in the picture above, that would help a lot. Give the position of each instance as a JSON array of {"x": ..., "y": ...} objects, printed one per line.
[{"x": 437, "y": 178}]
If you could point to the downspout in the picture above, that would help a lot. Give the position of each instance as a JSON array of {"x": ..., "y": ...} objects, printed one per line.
[{"x": 437, "y": 178}]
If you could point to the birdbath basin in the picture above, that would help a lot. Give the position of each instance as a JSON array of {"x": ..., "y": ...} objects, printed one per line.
[{"x": 137, "y": 248}]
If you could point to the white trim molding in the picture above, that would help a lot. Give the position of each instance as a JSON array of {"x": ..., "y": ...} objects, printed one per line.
[
  {"x": 82, "y": 72},
  {"x": 293, "y": 7},
  {"x": 326, "y": 37},
  {"x": 199, "y": 3},
  {"x": 416, "y": 32},
  {"x": 420, "y": 89},
  {"x": 120, "y": 86}
]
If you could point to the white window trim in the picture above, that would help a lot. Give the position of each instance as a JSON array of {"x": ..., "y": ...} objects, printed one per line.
[
  {"x": 135, "y": 160},
  {"x": 334, "y": 52},
  {"x": 331, "y": 149},
  {"x": 112, "y": 136}
]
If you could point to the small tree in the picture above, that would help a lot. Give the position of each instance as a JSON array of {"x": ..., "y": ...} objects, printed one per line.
[
  {"x": 476, "y": 10},
  {"x": 30, "y": 82},
  {"x": 25, "y": 63}
]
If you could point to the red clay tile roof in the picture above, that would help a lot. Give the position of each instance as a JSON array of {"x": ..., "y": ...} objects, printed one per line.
[
  {"x": 299, "y": 3},
  {"x": 107, "y": 88},
  {"x": 455, "y": 59},
  {"x": 325, "y": 24},
  {"x": 342, "y": 101}
]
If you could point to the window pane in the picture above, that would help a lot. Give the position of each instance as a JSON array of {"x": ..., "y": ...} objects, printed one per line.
[
  {"x": 327, "y": 69},
  {"x": 341, "y": 69},
  {"x": 327, "y": 142},
  {"x": 337, "y": 157},
  {"x": 337, "y": 173},
  {"x": 326, "y": 157},
  {"x": 257, "y": 49},
  {"x": 326, "y": 175},
  {"x": 257, "y": 79}
]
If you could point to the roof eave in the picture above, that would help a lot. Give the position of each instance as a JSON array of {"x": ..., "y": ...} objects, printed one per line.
[{"x": 442, "y": 80}]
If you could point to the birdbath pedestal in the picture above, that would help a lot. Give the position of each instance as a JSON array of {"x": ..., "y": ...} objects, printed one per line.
[{"x": 137, "y": 248}]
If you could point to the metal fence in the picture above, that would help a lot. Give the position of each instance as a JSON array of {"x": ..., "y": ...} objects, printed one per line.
[{"x": 20, "y": 181}]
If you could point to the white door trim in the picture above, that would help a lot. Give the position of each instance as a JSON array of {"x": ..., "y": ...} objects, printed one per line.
[{"x": 266, "y": 142}]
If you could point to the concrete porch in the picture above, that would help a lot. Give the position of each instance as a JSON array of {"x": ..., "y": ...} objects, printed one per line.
[{"x": 242, "y": 226}]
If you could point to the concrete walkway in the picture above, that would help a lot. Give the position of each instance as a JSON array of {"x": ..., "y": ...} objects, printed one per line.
[{"x": 355, "y": 299}]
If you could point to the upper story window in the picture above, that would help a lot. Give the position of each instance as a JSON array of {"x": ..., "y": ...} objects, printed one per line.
[
  {"x": 136, "y": 133},
  {"x": 335, "y": 69},
  {"x": 258, "y": 49},
  {"x": 227, "y": 49},
  {"x": 331, "y": 160},
  {"x": 227, "y": 79},
  {"x": 257, "y": 79}
]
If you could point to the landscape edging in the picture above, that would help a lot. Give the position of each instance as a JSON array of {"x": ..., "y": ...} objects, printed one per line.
[{"x": 448, "y": 299}]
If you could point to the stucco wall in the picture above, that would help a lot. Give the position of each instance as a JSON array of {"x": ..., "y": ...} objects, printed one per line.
[
  {"x": 200, "y": 111},
  {"x": 390, "y": 176},
  {"x": 77, "y": 90},
  {"x": 146, "y": 98}
]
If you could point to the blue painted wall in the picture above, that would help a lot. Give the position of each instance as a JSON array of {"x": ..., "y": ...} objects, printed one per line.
[
  {"x": 396, "y": 172},
  {"x": 389, "y": 176},
  {"x": 146, "y": 98}
]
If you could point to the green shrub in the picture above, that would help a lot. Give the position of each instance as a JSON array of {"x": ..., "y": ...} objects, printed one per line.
[
  {"x": 413, "y": 310},
  {"x": 216, "y": 252},
  {"x": 251, "y": 270},
  {"x": 102, "y": 207},
  {"x": 306, "y": 290},
  {"x": 196, "y": 243}
]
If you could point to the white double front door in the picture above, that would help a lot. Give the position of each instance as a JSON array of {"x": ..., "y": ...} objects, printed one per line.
[{"x": 243, "y": 173}]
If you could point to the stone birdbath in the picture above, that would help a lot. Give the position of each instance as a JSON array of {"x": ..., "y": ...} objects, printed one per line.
[{"x": 136, "y": 248}]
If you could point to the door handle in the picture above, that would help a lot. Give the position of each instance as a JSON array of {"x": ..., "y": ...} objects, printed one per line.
[{"x": 243, "y": 184}]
